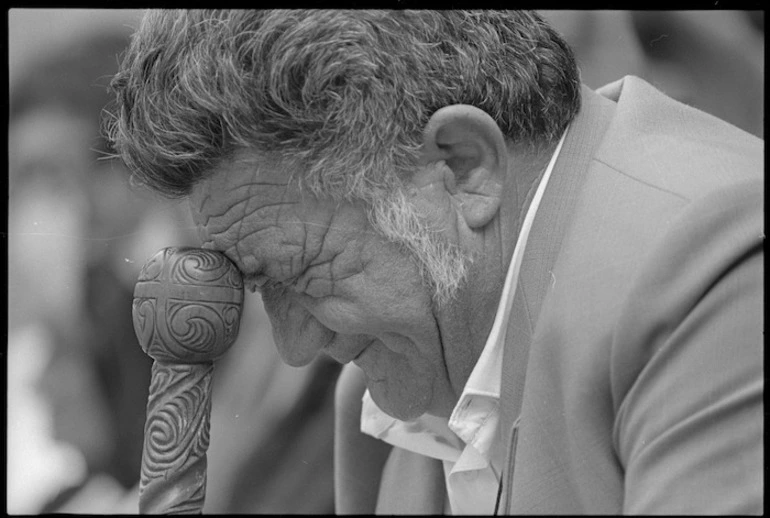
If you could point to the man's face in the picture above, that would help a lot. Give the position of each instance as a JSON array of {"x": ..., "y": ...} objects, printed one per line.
[{"x": 329, "y": 282}]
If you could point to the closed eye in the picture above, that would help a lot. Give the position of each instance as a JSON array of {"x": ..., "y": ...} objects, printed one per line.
[
  {"x": 318, "y": 287},
  {"x": 258, "y": 282}
]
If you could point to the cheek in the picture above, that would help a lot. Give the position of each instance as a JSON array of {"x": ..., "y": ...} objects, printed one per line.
[
  {"x": 386, "y": 297},
  {"x": 341, "y": 315},
  {"x": 393, "y": 274}
]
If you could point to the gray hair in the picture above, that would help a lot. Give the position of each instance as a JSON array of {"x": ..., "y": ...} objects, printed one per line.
[
  {"x": 343, "y": 96},
  {"x": 345, "y": 93}
]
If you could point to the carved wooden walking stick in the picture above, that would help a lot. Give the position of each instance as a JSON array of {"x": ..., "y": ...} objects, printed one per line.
[{"x": 187, "y": 309}]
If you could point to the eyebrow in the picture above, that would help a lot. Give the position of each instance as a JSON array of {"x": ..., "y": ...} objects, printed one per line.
[{"x": 268, "y": 281}]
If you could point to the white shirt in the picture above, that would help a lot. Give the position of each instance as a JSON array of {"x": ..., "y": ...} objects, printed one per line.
[{"x": 467, "y": 443}]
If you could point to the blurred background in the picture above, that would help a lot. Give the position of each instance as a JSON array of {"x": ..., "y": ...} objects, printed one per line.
[{"x": 78, "y": 234}]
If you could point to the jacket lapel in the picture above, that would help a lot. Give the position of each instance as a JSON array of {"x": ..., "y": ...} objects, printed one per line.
[
  {"x": 548, "y": 229},
  {"x": 411, "y": 484}
]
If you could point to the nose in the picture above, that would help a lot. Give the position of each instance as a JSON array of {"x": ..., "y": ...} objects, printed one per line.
[
  {"x": 346, "y": 348},
  {"x": 298, "y": 335}
]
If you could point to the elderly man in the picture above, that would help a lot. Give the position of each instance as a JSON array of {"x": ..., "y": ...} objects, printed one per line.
[{"x": 550, "y": 297}]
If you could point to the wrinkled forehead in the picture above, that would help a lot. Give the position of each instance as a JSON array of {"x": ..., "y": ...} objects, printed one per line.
[{"x": 242, "y": 174}]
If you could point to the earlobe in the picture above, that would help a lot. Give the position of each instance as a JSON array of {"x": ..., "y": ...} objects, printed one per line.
[{"x": 471, "y": 144}]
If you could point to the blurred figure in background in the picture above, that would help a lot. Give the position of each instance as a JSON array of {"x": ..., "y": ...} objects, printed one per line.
[
  {"x": 79, "y": 235},
  {"x": 272, "y": 427},
  {"x": 711, "y": 60}
]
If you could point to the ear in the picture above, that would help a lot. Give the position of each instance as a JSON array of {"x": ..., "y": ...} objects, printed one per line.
[{"x": 473, "y": 147}]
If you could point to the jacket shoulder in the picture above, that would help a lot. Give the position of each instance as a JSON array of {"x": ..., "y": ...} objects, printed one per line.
[
  {"x": 666, "y": 144},
  {"x": 358, "y": 458}
]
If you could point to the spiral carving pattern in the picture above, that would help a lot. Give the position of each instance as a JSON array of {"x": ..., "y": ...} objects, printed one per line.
[
  {"x": 176, "y": 437},
  {"x": 176, "y": 429},
  {"x": 186, "y": 310},
  {"x": 187, "y": 305},
  {"x": 198, "y": 267},
  {"x": 195, "y": 327},
  {"x": 144, "y": 319}
]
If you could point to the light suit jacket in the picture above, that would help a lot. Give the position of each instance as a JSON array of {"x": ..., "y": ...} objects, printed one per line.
[{"x": 633, "y": 364}]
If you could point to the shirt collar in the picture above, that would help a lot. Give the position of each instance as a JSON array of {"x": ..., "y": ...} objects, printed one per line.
[{"x": 475, "y": 417}]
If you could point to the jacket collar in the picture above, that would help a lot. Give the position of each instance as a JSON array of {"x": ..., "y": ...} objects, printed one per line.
[{"x": 584, "y": 136}]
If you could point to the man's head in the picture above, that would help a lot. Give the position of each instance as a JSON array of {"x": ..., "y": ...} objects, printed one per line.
[{"x": 369, "y": 148}]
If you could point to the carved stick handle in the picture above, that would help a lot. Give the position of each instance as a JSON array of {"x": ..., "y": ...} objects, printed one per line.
[
  {"x": 173, "y": 478},
  {"x": 187, "y": 307}
]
